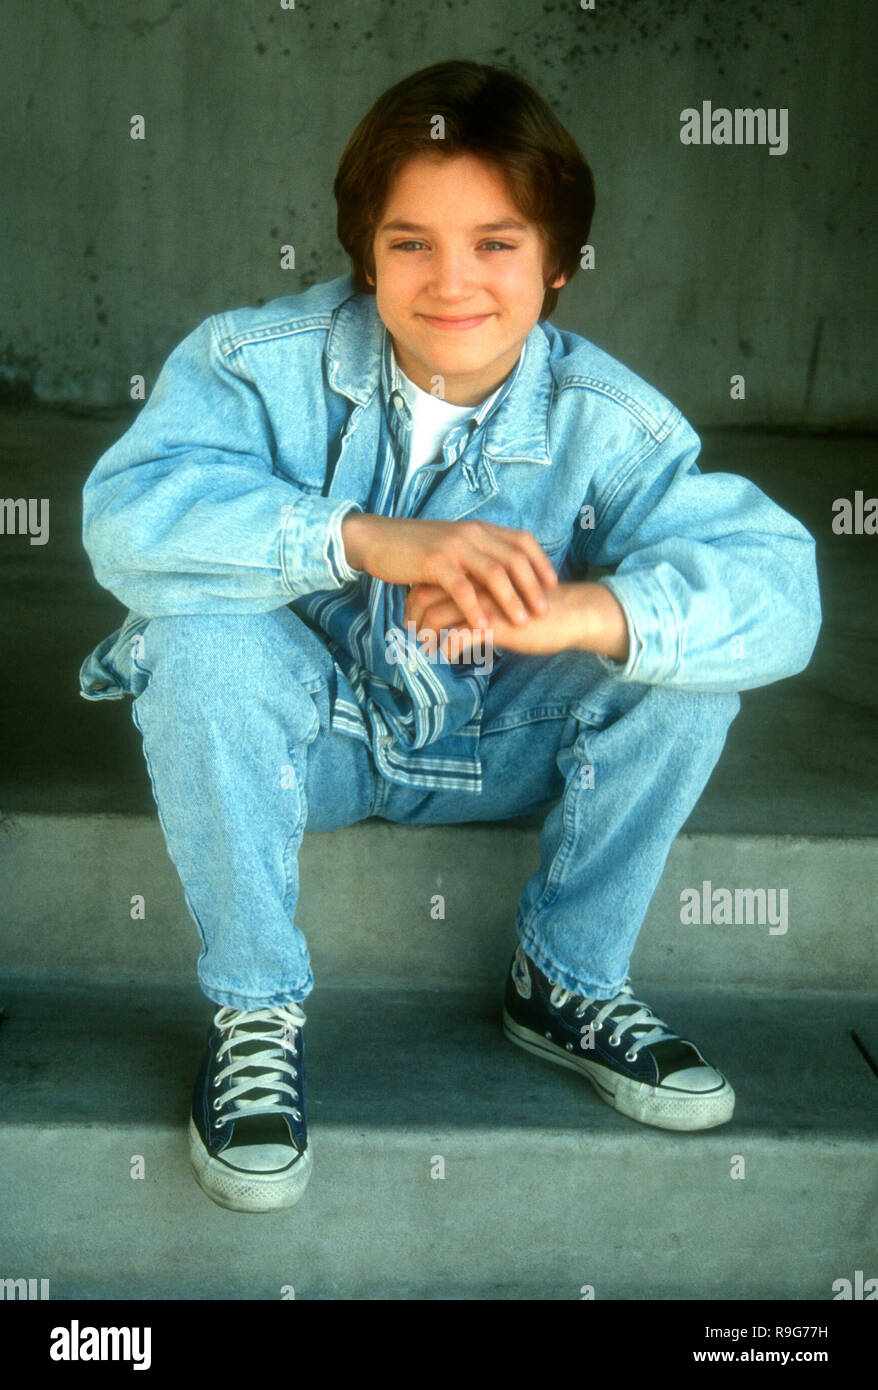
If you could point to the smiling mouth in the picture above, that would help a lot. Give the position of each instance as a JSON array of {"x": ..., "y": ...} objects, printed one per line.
[{"x": 460, "y": 322}]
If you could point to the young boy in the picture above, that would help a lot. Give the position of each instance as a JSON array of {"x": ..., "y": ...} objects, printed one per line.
[{"x": 415, "y": 455}]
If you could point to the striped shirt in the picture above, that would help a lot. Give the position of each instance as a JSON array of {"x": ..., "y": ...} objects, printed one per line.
[{"x": 404, "y": 706}]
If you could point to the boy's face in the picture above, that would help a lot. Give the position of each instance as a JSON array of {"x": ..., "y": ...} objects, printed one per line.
[{"x": 438, "y": 258}]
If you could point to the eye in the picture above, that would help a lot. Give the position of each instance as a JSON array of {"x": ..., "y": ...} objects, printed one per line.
[{"x": 486, "y": 246}]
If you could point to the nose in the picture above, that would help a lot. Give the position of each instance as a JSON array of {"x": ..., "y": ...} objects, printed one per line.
[{"x": 451, "y": 275}]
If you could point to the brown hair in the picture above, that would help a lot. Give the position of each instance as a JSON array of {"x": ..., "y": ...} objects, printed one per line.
[{"x": 490, "y": 112}]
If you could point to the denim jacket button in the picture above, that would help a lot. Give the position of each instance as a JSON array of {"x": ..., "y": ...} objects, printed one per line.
[{"x": 99, "y": 685}]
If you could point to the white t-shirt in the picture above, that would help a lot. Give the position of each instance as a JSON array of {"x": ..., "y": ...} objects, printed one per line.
[{"x": 432, "y": 420}]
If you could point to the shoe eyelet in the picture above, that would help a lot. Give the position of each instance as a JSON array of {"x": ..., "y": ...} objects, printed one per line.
[
  {"x": 218, "y": 1103},
  {"x": 569, "y": 1046},
  {"x": 613, "y": 1040},
  {"x": 297, "y": 1115},
  {"x": 216, "y": 1082},
  {"x": 548, "y": 1035},
  {"x": 596, "y": 1027},
  {"x": 630, "y": 1056},
  {"x": 217, "y": 1124}
]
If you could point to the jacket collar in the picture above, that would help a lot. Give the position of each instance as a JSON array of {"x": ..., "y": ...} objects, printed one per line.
[{"x": 516, "y": 428}]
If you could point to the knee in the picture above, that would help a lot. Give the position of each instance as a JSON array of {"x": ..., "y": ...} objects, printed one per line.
[
  {"x": 194, "y": 643},
  {"x": 612, "y": 700},
  {"x": 718, "y": 708},
  {"x": 194, "y": 649},
  {"x": 700, "y": 716}
]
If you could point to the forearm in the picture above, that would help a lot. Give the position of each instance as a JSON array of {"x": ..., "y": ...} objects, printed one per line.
[{"x": 602, "y": 625}]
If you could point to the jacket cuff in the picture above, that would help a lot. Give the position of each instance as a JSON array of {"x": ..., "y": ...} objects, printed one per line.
[{"x": 312, "y": 554}]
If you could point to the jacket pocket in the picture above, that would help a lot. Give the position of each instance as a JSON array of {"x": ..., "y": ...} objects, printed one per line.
[{"x": 111, "y": 672}]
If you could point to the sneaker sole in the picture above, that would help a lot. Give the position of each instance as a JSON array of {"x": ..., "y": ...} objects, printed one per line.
[
  {"x": 639, "y": 1101},
  {"x": 247, "y": 1191}
]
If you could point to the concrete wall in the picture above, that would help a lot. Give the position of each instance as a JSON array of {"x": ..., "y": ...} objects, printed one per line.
[{"x": 711, "y": 260}]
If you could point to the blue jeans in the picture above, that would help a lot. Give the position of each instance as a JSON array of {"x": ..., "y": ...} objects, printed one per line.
[{"x": 234, "y": 715}]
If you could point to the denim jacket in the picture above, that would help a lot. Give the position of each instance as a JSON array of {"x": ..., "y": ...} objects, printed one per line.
[{"x": 268, "y": 425}]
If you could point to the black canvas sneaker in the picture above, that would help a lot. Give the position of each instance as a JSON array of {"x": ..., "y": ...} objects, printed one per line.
[
  {"x": 634, "y": 1061},
  {"x": 248, "y": 1134}
]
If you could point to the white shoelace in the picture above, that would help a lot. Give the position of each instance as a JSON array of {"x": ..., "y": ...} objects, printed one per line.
[
  {"x": 648, "y": 1029},
  {"x": 279, "y": 1027}
]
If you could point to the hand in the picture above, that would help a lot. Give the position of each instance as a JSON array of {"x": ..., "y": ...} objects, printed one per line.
[
  {"x": 464, "y": 558},
  {"x": 581, "y": 616}
]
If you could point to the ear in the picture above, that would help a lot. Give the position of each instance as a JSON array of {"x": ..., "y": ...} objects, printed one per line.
[{"x": 558, "y": 282}]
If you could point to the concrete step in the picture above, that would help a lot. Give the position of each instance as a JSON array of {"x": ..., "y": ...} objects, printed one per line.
[
  {"x": 546, "y": 1188},
  {"x": 67, "y": 884}
]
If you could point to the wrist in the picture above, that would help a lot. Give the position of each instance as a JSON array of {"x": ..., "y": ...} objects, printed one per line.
[
  {"x": 604, "y": 624},
  {"x": 354, "y": 533}
]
